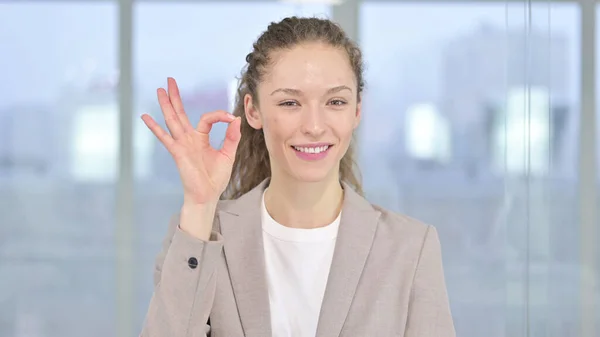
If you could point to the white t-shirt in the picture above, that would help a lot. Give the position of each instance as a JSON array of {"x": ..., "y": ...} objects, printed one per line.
[{"x": 297, "y": 264}]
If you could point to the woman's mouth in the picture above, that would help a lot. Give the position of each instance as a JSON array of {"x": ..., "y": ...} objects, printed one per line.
[{"x": 312, "y": 152}]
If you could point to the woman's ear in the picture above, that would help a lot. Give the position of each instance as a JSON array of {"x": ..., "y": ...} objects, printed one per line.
[{"x": 252, "y": 114}]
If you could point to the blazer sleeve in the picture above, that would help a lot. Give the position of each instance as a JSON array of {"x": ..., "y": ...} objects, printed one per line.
[
  {"x": 184, "y": 283},
  {"x": 429, "y": 309}
]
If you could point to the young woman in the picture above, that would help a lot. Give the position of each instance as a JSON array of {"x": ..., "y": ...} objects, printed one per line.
[{"x": 274, "y": 237}]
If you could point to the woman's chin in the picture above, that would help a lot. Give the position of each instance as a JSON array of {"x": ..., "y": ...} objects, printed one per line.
[{"x": 313, "y": 175}]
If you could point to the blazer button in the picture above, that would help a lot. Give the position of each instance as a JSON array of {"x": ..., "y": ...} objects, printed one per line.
[{"x": 193, "y": 262}]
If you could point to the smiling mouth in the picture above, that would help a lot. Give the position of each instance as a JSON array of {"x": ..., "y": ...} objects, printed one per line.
[
  {"x": 312, "y": 150},
  {"x": 312, "y": 153}
]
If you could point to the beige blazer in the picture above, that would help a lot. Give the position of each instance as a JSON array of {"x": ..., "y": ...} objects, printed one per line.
[{"x": 386, "y": 277}]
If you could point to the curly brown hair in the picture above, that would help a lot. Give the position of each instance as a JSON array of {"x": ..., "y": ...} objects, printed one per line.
[{"x": 252, "y": 164}]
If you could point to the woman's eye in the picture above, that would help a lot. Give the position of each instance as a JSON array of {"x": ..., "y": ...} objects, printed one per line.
[
  {"x": 288, "y": 103},
  {"x": 337, "y": 102}
]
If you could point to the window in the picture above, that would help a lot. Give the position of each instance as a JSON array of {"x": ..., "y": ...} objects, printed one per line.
[
  {"x": 56, "y": 198},
  {"x": 470, "y": 124}
]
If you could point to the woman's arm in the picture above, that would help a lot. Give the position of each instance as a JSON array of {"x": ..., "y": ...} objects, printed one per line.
[
  {"x": 184, "y": 283},
  {"x": 429, "y": 309}
]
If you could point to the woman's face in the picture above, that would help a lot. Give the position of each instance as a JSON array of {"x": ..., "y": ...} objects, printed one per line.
[{"x": 308, "y": 110}]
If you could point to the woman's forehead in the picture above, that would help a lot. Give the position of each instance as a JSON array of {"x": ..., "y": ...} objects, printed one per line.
[{"x": 310, "y": 66}]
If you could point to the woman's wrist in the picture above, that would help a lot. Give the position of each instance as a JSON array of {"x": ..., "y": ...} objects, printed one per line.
[{"x": 197, "y": 219}]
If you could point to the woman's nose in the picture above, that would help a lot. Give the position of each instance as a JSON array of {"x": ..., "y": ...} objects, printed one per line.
[{"x": 313, "y": 122}]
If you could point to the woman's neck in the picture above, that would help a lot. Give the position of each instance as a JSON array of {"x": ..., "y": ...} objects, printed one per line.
[{"x": 299, "y": 204}]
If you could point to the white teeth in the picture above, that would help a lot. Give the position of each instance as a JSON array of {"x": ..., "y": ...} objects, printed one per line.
[{"x": 312, "y": 149}]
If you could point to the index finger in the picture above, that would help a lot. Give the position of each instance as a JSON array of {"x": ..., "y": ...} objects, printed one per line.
[{"x": 210, "y": 118}]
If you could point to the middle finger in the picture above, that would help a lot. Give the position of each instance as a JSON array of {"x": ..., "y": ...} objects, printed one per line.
[{"x": 171, "y": 118}]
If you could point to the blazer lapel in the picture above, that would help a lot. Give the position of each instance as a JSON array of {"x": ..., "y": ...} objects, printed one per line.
[
  {"x": 355, "y": 237},
  {"x": 240, "y": 222}
]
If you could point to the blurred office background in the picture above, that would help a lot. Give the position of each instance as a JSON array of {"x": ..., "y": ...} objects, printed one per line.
[{"x": 479, "y": 118}]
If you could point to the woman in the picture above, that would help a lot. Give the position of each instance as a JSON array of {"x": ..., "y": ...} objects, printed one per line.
[{"x": 295, "y": 250}]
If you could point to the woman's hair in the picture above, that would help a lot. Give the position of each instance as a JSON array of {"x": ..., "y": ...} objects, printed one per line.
[{"x": 251, "y": 165}]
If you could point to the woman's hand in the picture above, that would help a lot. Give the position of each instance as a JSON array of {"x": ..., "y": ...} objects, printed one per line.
[{"x": 204, "y": 170}]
